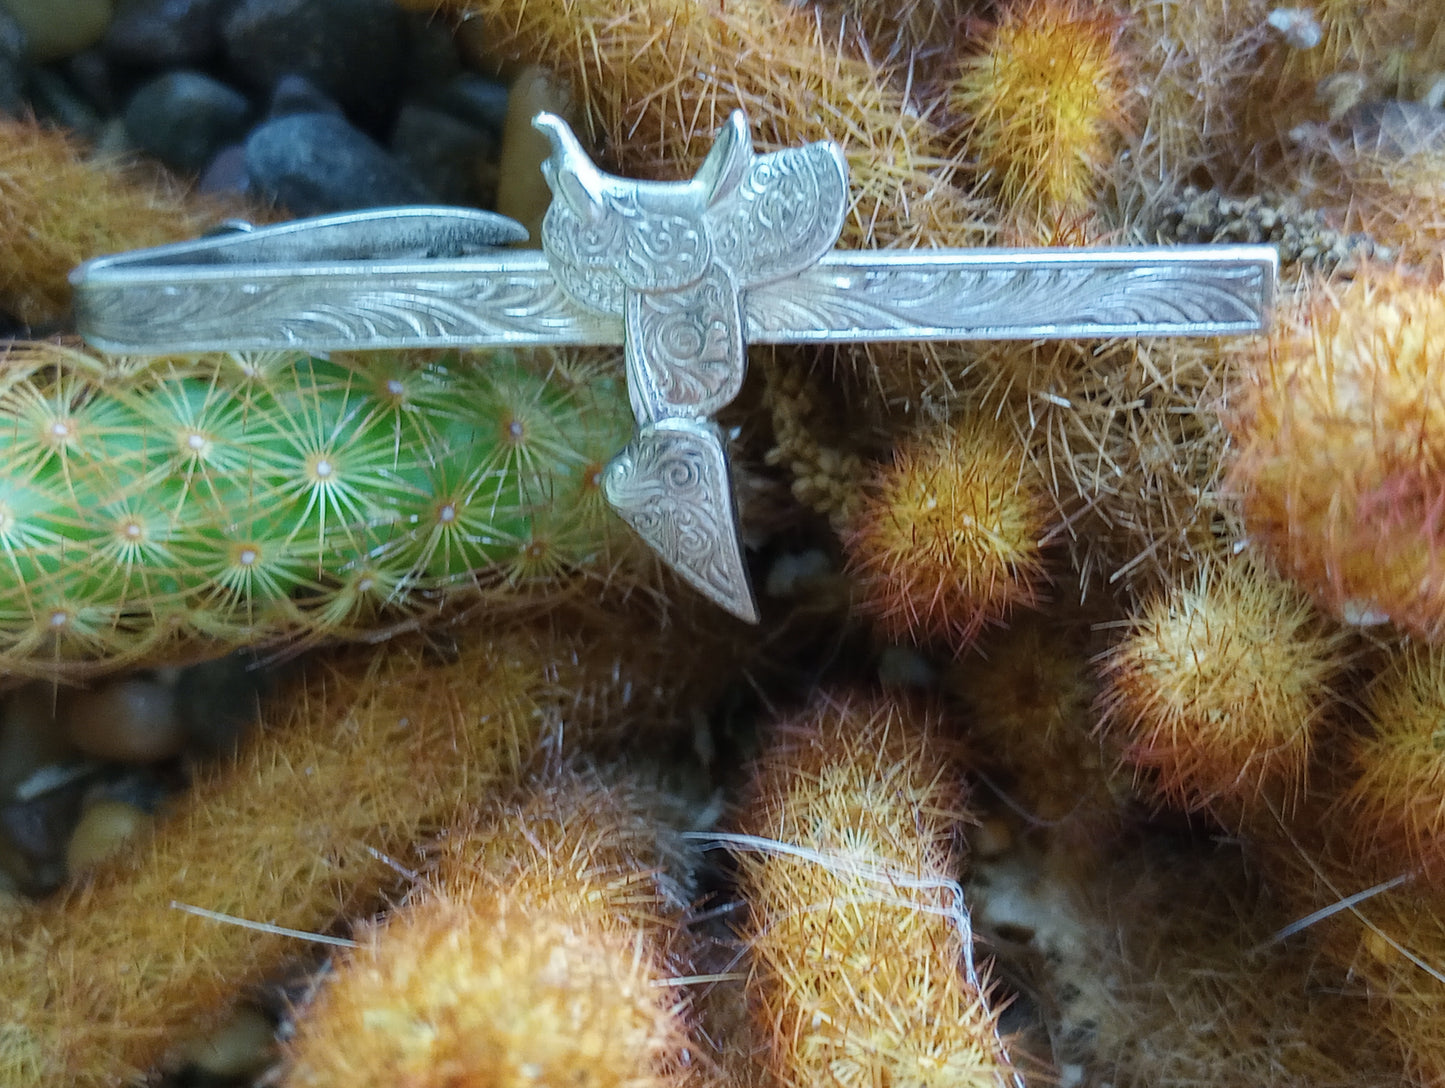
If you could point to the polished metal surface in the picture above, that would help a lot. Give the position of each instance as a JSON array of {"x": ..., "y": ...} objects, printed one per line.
[{"x": 683, "y": 275}]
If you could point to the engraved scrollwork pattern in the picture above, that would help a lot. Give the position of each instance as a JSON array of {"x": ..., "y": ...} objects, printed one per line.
[
  {"x": 664, "y": 252},
  {"x": 786, "y": 214},
  {"x": 836, "y": 302},
  {"x": 672, "y": 486},
  {"x": 621, "y": 239},
  {"x": 588, "y": 242},
  {"x": 685, "y": 352},
  {"x": 465, "y": 308}
]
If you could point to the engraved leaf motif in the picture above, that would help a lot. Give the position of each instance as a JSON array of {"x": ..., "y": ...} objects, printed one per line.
[
  {"x": 672, "y": 485},
  {"x": 1010, "y": 302},
  {"x": 469, "y": 308}
]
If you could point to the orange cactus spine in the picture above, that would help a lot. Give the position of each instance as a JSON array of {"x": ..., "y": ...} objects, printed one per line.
[
  {"x": 1395, "y": 808},
  {"x": 948, "y": 538},
  {"x": 1027, "y": 693},
  {"x": 1042, "y": 106},
  {"x": 858, "y": 934},
  {"x": 58, "y": 207},
  {"x": 1196, "y": 59},
  {"x": 1214, "y": 690},
  {"x": 353, "y": 768},
  {"x": 535, "y": 954},
  {"x": 1340, "y": 428},
  {"x": 642, "y": 91}
]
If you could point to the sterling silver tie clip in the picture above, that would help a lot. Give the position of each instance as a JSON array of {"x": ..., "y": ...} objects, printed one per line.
[{"x": 682, "y": 274}]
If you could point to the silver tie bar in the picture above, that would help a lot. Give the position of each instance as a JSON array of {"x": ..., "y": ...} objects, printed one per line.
[{"x": 683, "y": 275}]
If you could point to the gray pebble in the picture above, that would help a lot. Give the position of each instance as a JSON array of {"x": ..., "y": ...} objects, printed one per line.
[
  {"x": 12, "y": 36},
  {"x": 475, "y": 99},
  {"x": 12, "y": 65},
  {"x": 226, "y": 173},
  {"x": 219, "y": 701},
  {"x": 40, "y": 827},
  {"x": 431, "y": 59},
  {"x": 90, "y": 73},
  {"x": 297, "y": 94},
  {"x": 55, "y": 100},
  {"x": 313, "y": 163},
  {"x": 165, "y": 33},
  {"x": 449, "y": 153},
  {"x": 126, "y": 721},
  {"x": 353, "y": 50},
  {"x": 29, "y": 736},
  {"x": 183, "y": 118}
]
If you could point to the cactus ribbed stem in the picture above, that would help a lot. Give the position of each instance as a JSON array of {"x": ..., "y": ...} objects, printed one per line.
[{"x": 245, "y": 499}]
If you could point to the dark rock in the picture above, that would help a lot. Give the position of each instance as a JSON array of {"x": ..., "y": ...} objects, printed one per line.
[
  {"x": 56, "y": 101},
  {"x": 451, "y": 154},
  {"x": 226, "y": 173},
  {"x": 139, "y": 787},
  {"x": 89, "y": 72},
  {"x": 40, "y": 826},
  {"x": 219, "y": 702},
  {"x": 183, "y": 118},
  {"x": 12, "y": 36},
  {"x": 312, "y": 163},
  {"x": 297, "y": 94},
  {"x": 12, "y": 65},
  {"x": 165, "y": 33},
  {"x": 353, "y": 50},
  {"x": 431, "y": 53},
  {"x": 475, "y": 99}
]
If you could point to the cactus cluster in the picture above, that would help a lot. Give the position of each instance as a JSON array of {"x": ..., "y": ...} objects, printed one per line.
[
  {"x": 241, "y": 498},
  {"x": 1148, "y": 562},
  {"x": 535, "y": 953}
]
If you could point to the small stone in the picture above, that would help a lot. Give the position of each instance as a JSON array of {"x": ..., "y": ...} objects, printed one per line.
[
  {"x": 30, "y": 737},
  {"x": 313, "y": 163},
  {"x": 241, "y": 1047},
  {"x": 89, "y": 73},
  {"x": 55, "y": 100},
  {"x": 113, "y": 140},
  {"x": 54, "y": 30},
  {"x": 40, "y": 827},
  {"x": 479, "y": 101},
  {"x": 452, "y": 155},
  {"x": 219, "y": 701},
  {"x": 103, "y": 831},
  {"x": 12, "y": 66},
  {"x": 297, "y": 94},
  {"x": 354, "y": 50},
  {"x": 12, "y": 36},
  {"x": 184, "y": 118},
  {"x": 129, "y": 721},
  {"x": 226, "y": 173},
  {"x": 431, "y": 52},
  {"x": 165, "y": 33}
]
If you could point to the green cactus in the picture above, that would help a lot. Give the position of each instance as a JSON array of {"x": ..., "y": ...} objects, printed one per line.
[{"x": 247, "y": 498}]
